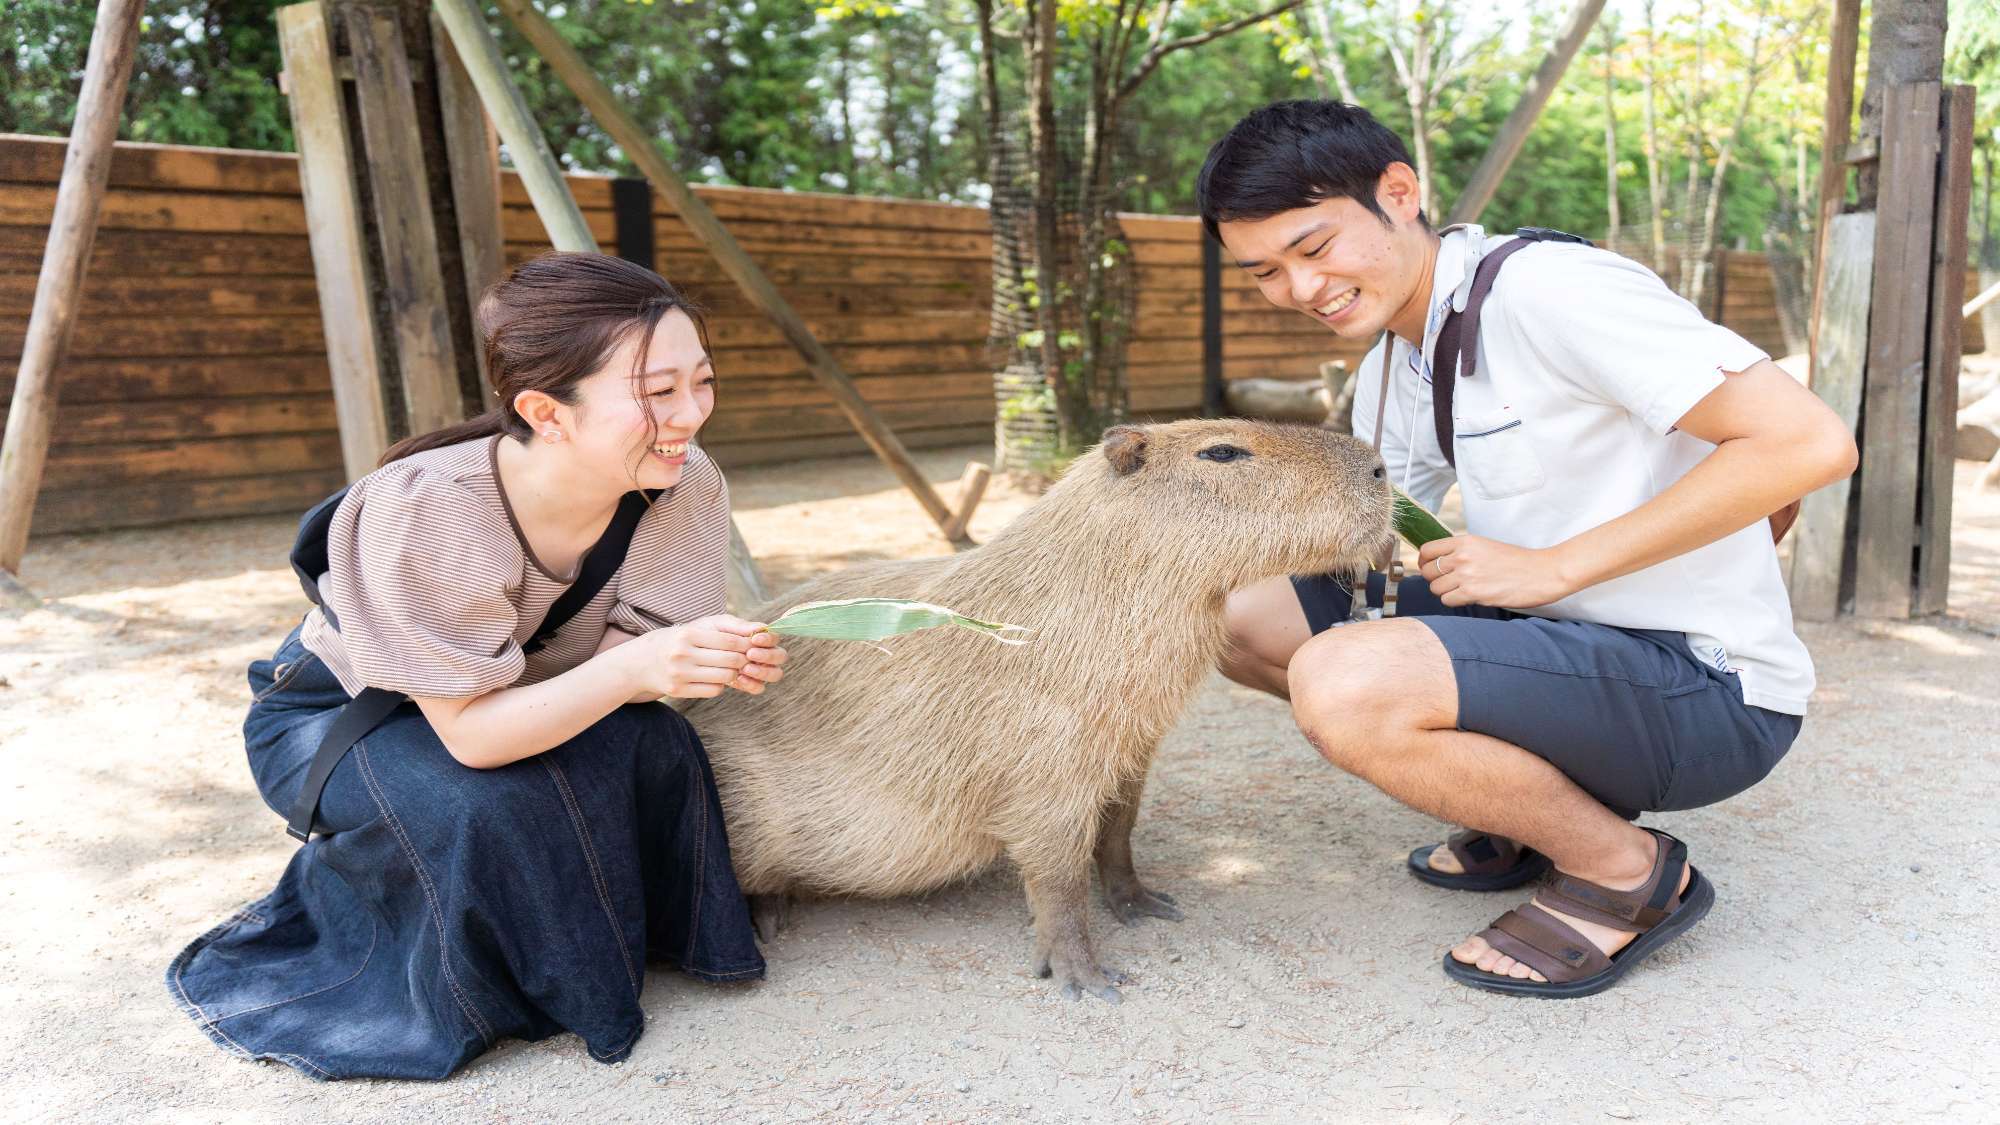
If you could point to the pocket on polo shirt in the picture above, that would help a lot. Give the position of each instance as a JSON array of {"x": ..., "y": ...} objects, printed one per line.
[{"x": 1495, "y": 457}]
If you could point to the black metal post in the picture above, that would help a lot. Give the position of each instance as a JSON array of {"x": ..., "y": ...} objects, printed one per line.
[
  {"x": 1212, "y": 402},
  {"x": 632, "y": 213}
]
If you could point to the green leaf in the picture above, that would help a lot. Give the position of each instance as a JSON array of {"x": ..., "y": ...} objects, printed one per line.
[
  {"x": 1414, "y": 524},
  {"x": 872, "y": 619}
]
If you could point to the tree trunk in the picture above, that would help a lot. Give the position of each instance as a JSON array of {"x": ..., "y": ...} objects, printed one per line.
[
  {"x": 1046, "y": 161},
  {"x": 1656, "y": 182},
  {"x": 1417, "y": 90},
  {"x": 1905, "y": 44},
  {"x": 1611, "y": 220},
  {"x": 1329, "y": 54},
  {"x": 1711, "y": 217},
  {"x": 1989, "y": 267},
  {"x": 1694, "y": 150}
]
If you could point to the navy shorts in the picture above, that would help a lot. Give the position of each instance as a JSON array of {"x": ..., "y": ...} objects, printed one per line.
[{"x": 1630, "y": 715}]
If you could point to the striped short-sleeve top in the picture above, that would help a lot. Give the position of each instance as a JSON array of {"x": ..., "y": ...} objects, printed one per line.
[{"x": 436, "y": 588}]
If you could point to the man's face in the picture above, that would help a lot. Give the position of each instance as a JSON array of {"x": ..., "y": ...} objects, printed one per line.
[{"x": 1338, "y": 262}]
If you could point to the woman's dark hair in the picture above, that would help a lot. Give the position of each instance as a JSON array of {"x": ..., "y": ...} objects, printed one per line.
[
  {"x": 549, "y": 325},
  {"x": 1294, "y": 154}
]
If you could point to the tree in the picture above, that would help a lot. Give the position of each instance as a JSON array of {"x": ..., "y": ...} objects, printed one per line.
[
  {"x": 205, "y": 72},
  {"x": 1105, "y": 51},
  {"x": 1608, "y": 44}
]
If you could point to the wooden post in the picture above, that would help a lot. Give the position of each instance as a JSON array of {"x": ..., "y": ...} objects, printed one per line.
[
  {"x": 406, "y": 232},
  {"x": 640, "y": 148},
  {"x": 473, "y": 155},
  {"x": 1837, "y": 128},
  {"x": 1892, "y": 411},
  {"x": 65, "y": 260},
  {"x": 540, "y": 173},
  {"x": 1492, "y": 167},
  {"x": 1947, "y": 291},
  {"x": 333, "y": 225},
  {"x": 1819, "y": 540}
]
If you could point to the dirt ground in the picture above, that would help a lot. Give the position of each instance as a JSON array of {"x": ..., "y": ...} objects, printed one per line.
[{"x": 1846, "y": 973}]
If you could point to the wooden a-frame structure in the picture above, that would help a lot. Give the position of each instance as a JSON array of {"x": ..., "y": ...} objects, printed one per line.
[{"x": 400, "y": 255}]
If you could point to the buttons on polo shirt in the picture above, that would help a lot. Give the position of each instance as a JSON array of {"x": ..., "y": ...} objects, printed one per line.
[{"x": 1496, "y": 458}]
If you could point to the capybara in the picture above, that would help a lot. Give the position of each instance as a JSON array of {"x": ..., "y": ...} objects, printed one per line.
[{"x": 877, "y": 775}]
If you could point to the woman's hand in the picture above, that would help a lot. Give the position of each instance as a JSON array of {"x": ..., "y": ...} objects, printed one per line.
[
  {"x": 765, "y": 664},
  {"x": 1473, "y": 570},
  {"x": 700, "y": 659}
]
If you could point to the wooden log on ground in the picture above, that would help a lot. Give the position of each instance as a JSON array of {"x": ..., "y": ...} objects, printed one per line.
[
  {"x": 1304, "y": 401},
  {"x": 1986, "y": 297},
  {"x": 333, "y": 220},
  {"x": 1819, "y": 539},
  {"x": 1941, "y": 365},
  {"x": 642, "y": 150},
  {"x": 1976, "y": 430},
  {"x": 971, "y": 490},
  {"x": 1893, "y": 414},
  {"x": 64, "y": 261}
]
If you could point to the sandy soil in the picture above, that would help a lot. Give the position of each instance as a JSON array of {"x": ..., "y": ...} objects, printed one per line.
[{"x": 1845, "y": 974}]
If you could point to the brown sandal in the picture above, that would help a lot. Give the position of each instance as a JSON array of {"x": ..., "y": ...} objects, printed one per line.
[
  {"x": 1575, "y": 967},
  {"x": 1490, "y": 863}
]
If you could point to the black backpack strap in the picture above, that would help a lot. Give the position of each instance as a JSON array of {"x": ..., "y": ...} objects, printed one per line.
[
  {"x": 1457, "y": 352},
  {"x": 357, "y": 717},
  {"x": 366, "y": 711}
]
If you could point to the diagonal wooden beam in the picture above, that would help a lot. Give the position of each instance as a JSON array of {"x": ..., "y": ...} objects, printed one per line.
[
  {"x": 65, "y": 260},
  {"x": 1492, "y": 167},
  {"x": 640, "y": 148}
]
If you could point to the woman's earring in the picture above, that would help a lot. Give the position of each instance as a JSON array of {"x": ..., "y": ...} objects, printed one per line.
[{"x": 552, "y": 436}]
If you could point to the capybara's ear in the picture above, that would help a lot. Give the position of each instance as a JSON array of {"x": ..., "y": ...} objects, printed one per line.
[{"x": 1125, "y": 448}]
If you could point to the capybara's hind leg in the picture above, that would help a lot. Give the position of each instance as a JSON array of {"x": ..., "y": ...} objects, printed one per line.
[
  {"x": 1128, "y": 898},
  {"x": 1063, "y": 950}
]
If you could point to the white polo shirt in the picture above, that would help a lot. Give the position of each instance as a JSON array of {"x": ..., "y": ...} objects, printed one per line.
[{"x": 1586, "y": 362}]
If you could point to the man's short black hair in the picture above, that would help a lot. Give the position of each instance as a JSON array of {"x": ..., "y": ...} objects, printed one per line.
[{"x": 1294, "y": 154}]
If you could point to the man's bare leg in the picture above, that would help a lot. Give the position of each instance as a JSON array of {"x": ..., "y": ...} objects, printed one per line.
[
  {"x": 1266, "y": 626},
  {"x": 1380, "y": 700}
]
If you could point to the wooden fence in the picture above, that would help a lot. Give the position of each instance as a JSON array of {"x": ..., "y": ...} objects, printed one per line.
[{"x": 196, "y": 383}]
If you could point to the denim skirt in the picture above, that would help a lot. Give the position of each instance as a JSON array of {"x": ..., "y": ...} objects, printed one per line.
[{"x": 448, "y": 908}]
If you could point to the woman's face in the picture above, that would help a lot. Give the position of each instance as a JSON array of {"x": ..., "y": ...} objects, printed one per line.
[{"x": 638, "y": 429}]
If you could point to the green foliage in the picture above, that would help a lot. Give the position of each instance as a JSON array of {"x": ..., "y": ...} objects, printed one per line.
[{"x": 205, "y": 72}]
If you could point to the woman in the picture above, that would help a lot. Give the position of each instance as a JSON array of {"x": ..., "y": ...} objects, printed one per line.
[{"x": 503, "y": 855}]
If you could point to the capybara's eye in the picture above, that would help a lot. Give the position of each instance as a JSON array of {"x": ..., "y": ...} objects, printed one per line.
[
  {"x": 1379, "y": 471},
  {"x": 1222, "y": 453}
]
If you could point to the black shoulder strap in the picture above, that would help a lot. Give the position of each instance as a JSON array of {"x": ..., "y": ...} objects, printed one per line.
[
  {"x": 366, "y": 711},
  {"x": 603, "y": 560},
  {"x": 1457, "y": 354}
]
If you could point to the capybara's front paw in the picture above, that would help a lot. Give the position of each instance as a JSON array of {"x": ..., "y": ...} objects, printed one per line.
[
  {"x": 1130, "y": 901},
  {"x": 1078, "y": 976},
  {"x": 770, "y": 915}
]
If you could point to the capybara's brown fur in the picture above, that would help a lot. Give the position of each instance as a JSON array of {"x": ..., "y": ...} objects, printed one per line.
[{"x": 871, "y": 774}]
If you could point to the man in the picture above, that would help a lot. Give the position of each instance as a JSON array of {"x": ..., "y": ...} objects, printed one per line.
[{"x": 1611, "y": 635}]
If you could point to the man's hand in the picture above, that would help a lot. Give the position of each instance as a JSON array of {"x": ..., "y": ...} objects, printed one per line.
[{"x": 1473, "y": 570}]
